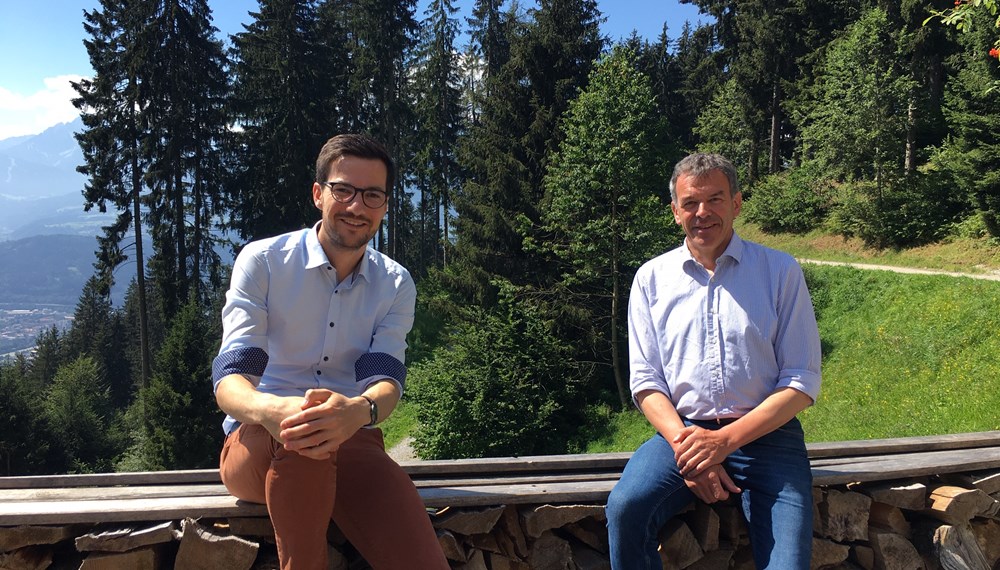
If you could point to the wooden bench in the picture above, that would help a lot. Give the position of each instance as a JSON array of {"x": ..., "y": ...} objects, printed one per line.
[{"x": 583, "y": 478}]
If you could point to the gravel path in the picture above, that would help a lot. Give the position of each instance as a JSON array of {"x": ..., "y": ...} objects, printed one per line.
[
  {"x": 991, "y": 276},
  {"x": 403, "y": 451}
]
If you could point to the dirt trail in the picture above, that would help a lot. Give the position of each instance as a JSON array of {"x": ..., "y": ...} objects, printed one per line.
[{"x": 990, "y": 276}]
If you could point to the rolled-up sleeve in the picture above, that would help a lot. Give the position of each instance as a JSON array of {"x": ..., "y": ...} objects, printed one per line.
[
  {"x": 386, "y": 358},
  {"x": 244, "y": 347},
  {"x": 797, "y": 345},
  {"x": 645, "y": 366}
]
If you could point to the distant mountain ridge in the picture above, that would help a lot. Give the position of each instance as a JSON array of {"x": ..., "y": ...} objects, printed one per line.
[
  {"x": 41, "y": 193},
  {"x": 46, "y": 269}
]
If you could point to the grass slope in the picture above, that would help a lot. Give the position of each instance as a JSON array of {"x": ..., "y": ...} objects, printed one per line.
[{"x": 902, "y": 355}]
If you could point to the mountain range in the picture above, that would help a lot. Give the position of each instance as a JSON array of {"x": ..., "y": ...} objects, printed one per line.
[
  {"x": 47, "y": 241},
  {"x": 41, "y": 193}
]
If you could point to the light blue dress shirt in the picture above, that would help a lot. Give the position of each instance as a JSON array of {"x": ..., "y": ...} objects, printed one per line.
[
  {"x": 289, "y": 324},
  {"x": 718, "y": 345}
]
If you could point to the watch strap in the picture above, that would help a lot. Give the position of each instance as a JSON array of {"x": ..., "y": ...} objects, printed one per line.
[{"x": 373, "y": 410}]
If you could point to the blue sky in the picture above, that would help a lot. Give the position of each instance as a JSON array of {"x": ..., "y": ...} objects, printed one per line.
[{"x": 41, "y": 48}]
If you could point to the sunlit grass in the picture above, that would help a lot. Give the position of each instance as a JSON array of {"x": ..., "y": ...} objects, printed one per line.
[
  {"x": 904, "y": 355},
  {"x": 957, "y": 254},
  {"x": 402, "y": 423}
]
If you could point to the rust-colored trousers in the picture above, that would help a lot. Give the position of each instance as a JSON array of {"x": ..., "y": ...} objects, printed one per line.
[{"x": 368, "y": 496}]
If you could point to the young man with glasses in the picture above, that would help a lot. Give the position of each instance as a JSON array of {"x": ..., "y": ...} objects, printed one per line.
[{"x": 312, "y": 358}]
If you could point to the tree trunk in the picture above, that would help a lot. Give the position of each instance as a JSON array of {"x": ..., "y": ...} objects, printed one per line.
[
  {"x": 140, "y": 275},
  {"x": 909, "y": 163},
  {"x": 774, "y": 164},
  {"x": 616, "y": 364},
  {"x": 754, "y": 157}
]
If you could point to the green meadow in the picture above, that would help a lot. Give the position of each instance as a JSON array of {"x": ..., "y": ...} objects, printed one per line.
[{"x": 902, "y": 355}]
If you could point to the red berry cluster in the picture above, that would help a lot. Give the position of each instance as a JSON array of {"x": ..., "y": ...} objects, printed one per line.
[{"x": 995, "y": 53}]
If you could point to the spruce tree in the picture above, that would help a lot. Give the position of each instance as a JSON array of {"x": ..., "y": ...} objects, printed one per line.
[
  {"x": 505, "y": 154},
  {"x": 181, "y": 424},
  {"x": 97, "y": 332},
  {"x": 602, "y": 217},
  {"x": 383, "y": 33},
  {"x": 278, "y": 109},
  {"x": 971, "y": 155},
  {"x": 187, "y": 124},
  {"x": 439, "y": 125},
  {"x": 113, "y": 105}
]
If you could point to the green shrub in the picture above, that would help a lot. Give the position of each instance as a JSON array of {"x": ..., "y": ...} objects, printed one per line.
[
  {"x": 794, "y": 201},
  {"x": 906, "y": 212},
  {"x": 501, "y": 384}
]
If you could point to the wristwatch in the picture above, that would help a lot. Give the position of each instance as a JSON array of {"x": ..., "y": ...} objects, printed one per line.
[{"x": 373, "y": 409}]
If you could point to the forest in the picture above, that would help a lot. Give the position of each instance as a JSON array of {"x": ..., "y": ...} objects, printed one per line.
[{"x": 534, "y": 155}]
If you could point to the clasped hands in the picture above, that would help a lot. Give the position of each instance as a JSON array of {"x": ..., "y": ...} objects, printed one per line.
[
  {"x": 316, "y": 424},
  {"x": 699, "y": 454}
]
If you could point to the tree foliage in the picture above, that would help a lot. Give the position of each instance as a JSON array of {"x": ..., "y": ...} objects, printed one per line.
[
  {"x": 602, "y": 215},
  {"x": 501, "y": 384}
]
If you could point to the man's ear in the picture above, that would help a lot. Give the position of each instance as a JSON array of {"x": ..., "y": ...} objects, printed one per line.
[{"x": 317, "y": 195}]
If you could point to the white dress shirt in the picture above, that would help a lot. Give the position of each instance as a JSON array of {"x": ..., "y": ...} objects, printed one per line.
[
  {"x": 290, "y": 323},
  {"x": 719, "y": 344}
]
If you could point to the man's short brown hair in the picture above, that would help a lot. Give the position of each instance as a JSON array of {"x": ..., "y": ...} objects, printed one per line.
[{"x": 359, "y": 146}]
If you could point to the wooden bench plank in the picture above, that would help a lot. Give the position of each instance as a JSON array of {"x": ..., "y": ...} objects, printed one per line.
[
  {"x": 112, "y": 493},
  {"x": 125, "y": 510},
  {"x": 904, "y": 444},
  {"x": 129, "y": 497},
  {"x": 907, "y": 465},
  {"x": 507, "y": 465}
]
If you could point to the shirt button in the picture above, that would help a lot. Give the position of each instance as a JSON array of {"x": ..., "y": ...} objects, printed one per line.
[
  {"x": 325, "y": 358},
  {"x": 319, "y": 372},
  {"x": 331, "y": 325}
]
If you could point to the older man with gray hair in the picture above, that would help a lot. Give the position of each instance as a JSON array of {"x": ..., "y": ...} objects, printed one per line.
[{"x": 724, "y": 353}]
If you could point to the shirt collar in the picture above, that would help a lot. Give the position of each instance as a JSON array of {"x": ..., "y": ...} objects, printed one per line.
[
  {"x": 734, "y": 250},
  {"x": 316, "y": 257}
]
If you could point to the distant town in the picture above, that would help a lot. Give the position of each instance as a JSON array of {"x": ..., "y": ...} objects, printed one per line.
[{"x": 20, "y": 325}]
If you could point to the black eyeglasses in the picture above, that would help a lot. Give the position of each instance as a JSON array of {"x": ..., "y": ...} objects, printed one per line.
[{"x": 345, "y": 193}]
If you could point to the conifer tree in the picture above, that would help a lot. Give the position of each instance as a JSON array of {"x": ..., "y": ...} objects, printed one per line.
[
  {"x": 181, "y": 424},
  {"x": 439, "y": 120},
  {"x": 77, "y": 410},
  {"x": 113, "y": 105},
  {"x": 25, "y": 444},
  {"x": 97, "y": 331},
  {"x": 505, "y": 154},
  {"x": 971, "y": 155},
  {"x": 383, "y": 33},
  {"x": 602, "y": 217},
  {"x": 856, "y": 126},
  {"x": 186, "y": 123},
  {"x": 700, "y": 70},
  {"x": 278, "y": 108}
]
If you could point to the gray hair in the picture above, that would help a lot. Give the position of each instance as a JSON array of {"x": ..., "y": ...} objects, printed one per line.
[{"x": 701, "y": 164}]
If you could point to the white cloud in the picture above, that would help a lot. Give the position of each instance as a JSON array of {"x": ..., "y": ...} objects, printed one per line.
[{"x": 31, "y": 114}]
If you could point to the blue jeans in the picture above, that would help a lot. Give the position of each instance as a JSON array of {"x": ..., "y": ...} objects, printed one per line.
[{"x": 773, "y": 473}]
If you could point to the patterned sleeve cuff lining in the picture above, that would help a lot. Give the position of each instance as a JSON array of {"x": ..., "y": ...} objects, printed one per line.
[
  {"x": 250, "y": 361},
  {"x": 380, "y": 364}
]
